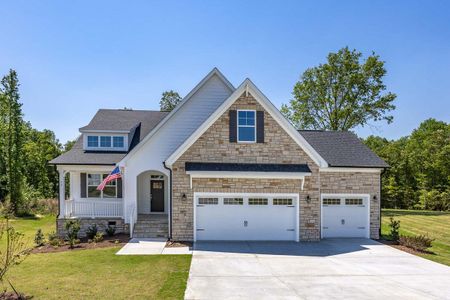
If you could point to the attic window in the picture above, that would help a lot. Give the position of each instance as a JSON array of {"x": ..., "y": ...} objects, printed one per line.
[{"x": 246, "y": 126}]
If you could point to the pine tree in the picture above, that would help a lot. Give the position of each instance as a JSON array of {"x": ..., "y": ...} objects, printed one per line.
[{"x": 12, "y": 134}]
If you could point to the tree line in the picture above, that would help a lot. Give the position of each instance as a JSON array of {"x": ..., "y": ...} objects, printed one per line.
[
  {"x": 419, "y": 173},
  {"x": 25, "y": 175}
]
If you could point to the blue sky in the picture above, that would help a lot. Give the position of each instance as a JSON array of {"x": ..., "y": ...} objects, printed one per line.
[{"x": 74, "y": 57}]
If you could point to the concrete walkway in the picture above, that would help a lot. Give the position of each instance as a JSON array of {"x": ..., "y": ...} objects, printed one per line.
[
  {"x": 145, "y": 246},
  {"x": 330, "y": 269}
]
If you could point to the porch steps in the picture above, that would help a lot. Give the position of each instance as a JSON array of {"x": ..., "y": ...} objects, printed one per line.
[{"x": 151, "y": 226}]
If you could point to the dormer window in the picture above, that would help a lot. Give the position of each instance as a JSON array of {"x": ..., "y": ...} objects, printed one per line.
[
  {"x": 106, "y": 142},
  {"x": 118, "y": 141},
  {"x": 92, "y": 141}
]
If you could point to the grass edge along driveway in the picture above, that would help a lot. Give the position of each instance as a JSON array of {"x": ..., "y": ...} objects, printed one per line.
[{"x": 414, "y": 222}]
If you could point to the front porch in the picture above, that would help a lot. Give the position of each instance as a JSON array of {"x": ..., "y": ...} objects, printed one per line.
[{"x": 144, "y": 214}]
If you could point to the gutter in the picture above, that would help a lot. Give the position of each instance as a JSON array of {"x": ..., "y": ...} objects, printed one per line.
[
  {"x": 381, "y": 175},
  {"x": 170, "y": 201}
]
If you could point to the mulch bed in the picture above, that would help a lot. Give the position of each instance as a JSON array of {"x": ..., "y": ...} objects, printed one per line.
[
  {"x": 173, "y": 244},
  {"x": 116, "y": 240},
  {"x": 404, "y": 248}
]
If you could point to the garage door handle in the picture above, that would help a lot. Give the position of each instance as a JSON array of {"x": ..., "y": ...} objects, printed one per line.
[
  {"x": 290, "y": 229},
  {"x": 361, "y": 227},
  {"x": 199, "y": 205},
  {"x": 343, "y": 222},
  {"x": 200, "y": 229}
]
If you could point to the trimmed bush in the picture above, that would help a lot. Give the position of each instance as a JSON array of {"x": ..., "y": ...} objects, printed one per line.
[
  {"x": 98, "y": 237},
  {"x": 418, "y": 242},
  {"x": 72, "y": 228},
  {"x": 54, "y": 240},
  {"x": 110, "y": 230},
  {"x": 39, "y": 239},
  {"x": 91, "y": 231},
  {"x": 394, "y": 226}
]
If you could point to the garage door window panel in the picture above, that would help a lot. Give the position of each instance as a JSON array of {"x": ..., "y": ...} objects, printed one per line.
[
  {"x": 258, "y": 201},
  {"x": 208, "y": 201},
  {"x": 353, "y": 201},
  {"x": 233, "y": 201},
  {"x": 282, "y": 201},
  {"x": 331, "y": 201}
]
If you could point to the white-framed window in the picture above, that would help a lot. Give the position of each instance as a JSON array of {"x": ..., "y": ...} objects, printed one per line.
[
  {"x": 92, "y": 141},
  {"x": 94, "y": 180},
  {"x": 118, "y": 141},
  {"x": 246, "y": 126},
  {"x": 106, "y": 142}
]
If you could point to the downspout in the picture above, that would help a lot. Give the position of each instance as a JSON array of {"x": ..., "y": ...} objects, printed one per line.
[
  {"x": 170, "y": 200},
  {"x": 379, "y": 206}
]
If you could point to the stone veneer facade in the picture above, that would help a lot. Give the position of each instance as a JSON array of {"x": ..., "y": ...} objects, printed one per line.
[
  {"x": 102, "y": 224},
  {"x": 278, "y": 147}
]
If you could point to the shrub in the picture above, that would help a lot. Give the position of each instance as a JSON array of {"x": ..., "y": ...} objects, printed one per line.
[
  {"x": 53, "y": 239},
  {"x": 39, "y": 239},
  {"x": 394, "y": 225},
  {"x": 98, "y": 237},
  {"x": 91, "y": 231},
  {"x": 110, "y": 230},
  {"x": 418, "y": 242},
  {"x": 434, "y": 200},
  {"x": 72, "y": 228}
]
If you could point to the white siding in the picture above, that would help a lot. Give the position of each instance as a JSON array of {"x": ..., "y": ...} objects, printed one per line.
[{"x": 173, "y": 133}]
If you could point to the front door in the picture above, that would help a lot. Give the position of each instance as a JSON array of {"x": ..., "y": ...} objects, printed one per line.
[{"x": 157, "y": 194}]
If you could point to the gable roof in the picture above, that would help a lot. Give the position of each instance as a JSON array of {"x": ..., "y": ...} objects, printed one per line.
[
  {"x": 213, "y": 72},
  {"x": 138, "y": 122},
  {"x": 343, "y": 149},
  {"x": 248, "y": 86}
]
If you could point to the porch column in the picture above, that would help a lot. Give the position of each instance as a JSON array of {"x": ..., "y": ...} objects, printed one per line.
[{"x": 62, "y": 193}]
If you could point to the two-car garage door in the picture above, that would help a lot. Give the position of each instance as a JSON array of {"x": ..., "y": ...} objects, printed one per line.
[{"x": 246, "y": 217}]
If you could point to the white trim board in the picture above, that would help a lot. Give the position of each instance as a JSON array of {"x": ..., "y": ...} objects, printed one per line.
[
  {"x": 249, "y": 86},
  {"x": 231, "y": 174},
  {"x": 213, "y": 72},
  {"x": 355, "y": 169}
]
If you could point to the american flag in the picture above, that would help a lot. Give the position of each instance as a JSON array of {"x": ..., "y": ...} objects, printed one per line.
[{"x": 113, "y": 175}]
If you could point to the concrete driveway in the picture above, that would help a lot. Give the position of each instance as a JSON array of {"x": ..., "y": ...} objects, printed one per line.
[{"x": 330, "y": 269}]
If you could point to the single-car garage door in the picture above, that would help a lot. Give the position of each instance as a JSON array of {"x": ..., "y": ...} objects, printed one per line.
[
  {"x": 345, "y": 215},
  {"x": 246, "y": 217}
]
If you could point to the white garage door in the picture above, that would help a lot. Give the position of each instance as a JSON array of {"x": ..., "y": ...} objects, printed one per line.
[
  {"x": 246, "y": 217},
  {"x": 345, "y": 215}
]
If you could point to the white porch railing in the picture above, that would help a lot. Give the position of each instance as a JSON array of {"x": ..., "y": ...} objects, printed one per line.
[{"x": 94, "y": 208}]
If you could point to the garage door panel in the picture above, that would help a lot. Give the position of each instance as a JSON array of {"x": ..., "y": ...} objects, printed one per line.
[
  {"x": 345, "y": 215},
  {"x": 244, "y": 221}
]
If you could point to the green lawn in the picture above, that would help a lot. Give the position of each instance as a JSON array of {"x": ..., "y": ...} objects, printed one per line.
[
  {"x": 96, "y": 273},
  {"x": 413, "y": 222},
  {"x": 28, "y": 226}
]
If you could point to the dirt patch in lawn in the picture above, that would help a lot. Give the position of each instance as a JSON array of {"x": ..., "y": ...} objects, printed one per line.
[
  {"x": 117, "y": 240},
  {"x": 404, "y": 248},
  {"x": 174, "y": 244}
]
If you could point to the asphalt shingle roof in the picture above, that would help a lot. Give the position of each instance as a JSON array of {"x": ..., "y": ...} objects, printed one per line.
[
  {"x": 139, "y": 122},
  {"x": 342, "y": 149}
]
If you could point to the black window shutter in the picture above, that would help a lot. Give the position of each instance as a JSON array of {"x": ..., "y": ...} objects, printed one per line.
[
  {"x": 233, "y": 126},
  {"x": 260, "y": 126},
  {"x": 119, "y": 187},
  {"x": 83, "y": 185}
]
